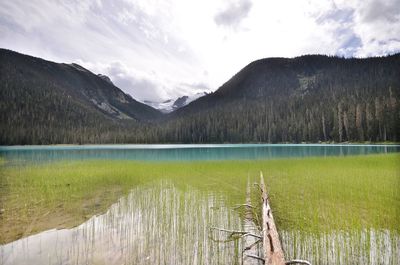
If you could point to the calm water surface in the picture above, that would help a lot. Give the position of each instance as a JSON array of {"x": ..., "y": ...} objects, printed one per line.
[
  {"x": 161, "y": 223},
  {"x": 186, "y": 152}
]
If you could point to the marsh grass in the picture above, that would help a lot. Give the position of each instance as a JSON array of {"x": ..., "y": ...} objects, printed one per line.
[{"x": 311, "y": 194}]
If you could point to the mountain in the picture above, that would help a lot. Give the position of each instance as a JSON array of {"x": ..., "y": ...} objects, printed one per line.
[
  {"x": 170, "y": 105},
  {"x": 47, "y": 102},
  {"x": 309, "y": 98},
  {"x": 185, "y": 100}
]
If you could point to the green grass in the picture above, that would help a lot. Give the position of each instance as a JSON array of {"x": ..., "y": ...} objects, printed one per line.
[{"x": 311, "y": 194}]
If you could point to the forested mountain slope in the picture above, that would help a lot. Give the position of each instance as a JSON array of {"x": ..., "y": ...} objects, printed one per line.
[
  {"x": 308, "y": 98},
  {"x": 46, "y": 102}
]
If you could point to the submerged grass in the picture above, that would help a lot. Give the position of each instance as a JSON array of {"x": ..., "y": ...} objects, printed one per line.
[{"x": 310, "y": 194}]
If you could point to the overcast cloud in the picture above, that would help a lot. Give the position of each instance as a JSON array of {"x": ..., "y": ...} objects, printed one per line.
[
  {"x": 161, "y": 49},
  {"x": 233, "y": 13}
]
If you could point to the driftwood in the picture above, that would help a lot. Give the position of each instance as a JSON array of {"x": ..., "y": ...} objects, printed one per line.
[
  {"x": 265, "y": 249},
  {"x": 273, "y": 253},
  {"x": 252, "y": 247}
]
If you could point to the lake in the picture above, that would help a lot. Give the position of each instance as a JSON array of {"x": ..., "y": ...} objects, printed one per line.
[
  {"x": 186, "y": 152},
  {"x": 168, "y": 220}
]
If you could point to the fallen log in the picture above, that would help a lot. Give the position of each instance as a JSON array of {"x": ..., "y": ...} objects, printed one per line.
[
  {"x": 273, "y": 253},
  {"x": 252, "y": 249}
]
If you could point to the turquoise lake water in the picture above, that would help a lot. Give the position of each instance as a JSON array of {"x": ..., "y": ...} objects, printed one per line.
[{"x": 186, "y": 152}]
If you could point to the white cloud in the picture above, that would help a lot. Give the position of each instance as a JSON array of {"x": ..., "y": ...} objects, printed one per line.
[
  {"x": 153, "y": 49},
  {"x": 377, "y": 24},
  {"x": 233, "y": 13}
]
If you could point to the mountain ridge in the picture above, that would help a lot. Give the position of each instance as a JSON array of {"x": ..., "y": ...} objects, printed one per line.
[
  {"x": 304, "y": 99},
  {"x": 313, "y": 63},
  {"x": 309, "y": 98},
  {"x": 79, "y": 81},
  {"x": 46, "y": 102}
]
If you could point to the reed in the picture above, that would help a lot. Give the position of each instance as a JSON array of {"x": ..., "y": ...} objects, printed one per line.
[{"x": 312, "y": 194}]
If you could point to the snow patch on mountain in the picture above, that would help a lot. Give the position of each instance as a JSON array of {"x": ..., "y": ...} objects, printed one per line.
[{"x": 170, "y": 105}]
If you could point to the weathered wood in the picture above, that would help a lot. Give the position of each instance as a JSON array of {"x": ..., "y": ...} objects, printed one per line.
[
  {"x": 273, "y": 253},
  {"x": 252, "y": 249}
]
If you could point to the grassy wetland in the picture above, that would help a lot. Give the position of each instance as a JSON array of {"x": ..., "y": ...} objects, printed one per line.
[{"x": 329, "y": 210}]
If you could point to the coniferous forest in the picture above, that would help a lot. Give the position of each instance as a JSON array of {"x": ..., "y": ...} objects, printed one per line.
[{"x": 310, "y": 98}]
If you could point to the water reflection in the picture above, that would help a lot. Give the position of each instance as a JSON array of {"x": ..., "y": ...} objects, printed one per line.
[
  {"x": 185, "y": 152},
  {"x": 161, "y": 224},
  {"x": 342, "y": 248},
  {"x": 153, "y": 225}
]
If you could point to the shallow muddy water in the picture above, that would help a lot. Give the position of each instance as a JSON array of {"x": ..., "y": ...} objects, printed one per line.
[
  {"x": 342, "y": 247},
  {"x": 161, "y": 224},
  {"x": 155, "y": 224}
]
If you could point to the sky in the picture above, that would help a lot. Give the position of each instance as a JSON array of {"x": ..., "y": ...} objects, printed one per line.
[{"x": 162, "y": 49}]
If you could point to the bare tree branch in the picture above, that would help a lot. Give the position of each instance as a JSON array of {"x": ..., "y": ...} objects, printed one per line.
[
  {"x": 255, "y": 257},
  {"x": 297, "y": 261}
]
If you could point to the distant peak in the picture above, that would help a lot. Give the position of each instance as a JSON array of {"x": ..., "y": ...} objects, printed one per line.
[{"x": 180, "y": 102}]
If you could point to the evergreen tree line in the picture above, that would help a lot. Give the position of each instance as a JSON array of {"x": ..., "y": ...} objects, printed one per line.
[
  {"x": 374, "y": 120},
  {"x": 306, "y": 99}
]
